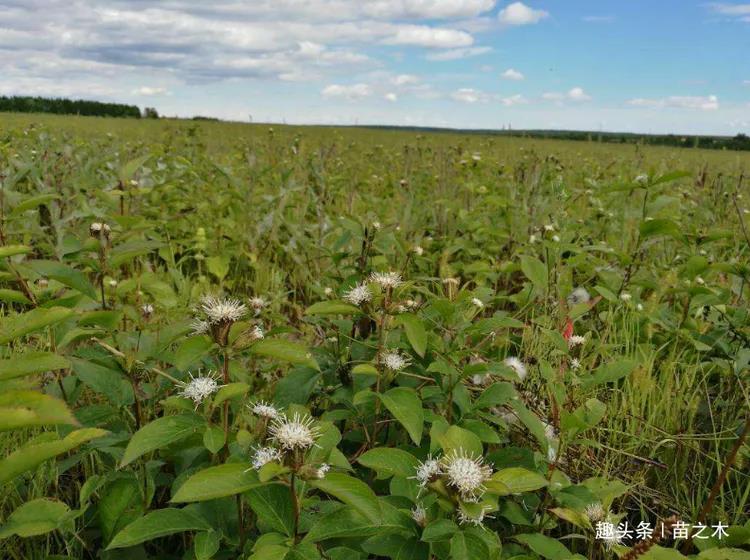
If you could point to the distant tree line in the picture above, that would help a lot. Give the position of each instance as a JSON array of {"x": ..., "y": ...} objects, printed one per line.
[{"x": 61, "y": 106}]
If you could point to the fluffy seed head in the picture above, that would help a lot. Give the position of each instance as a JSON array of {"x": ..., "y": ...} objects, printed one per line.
[
  {"x": 256, "y": 333},
  {"x": 358, "y": 295},
  {"x": 387, "y": 280},
  {"x": 394, "y": 361},
  {"x": 517, "y": 366},
  {"x": 466, "y": 473},
  {"x": 219, "y": 311},
  {"x": 264, "y": 410},
  {"x": 296, "y": 433},
  {"x": 199, "y": 388}
]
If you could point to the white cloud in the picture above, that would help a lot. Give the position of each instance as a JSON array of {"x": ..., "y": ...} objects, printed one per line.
[
  {"x": 511, "y": 74},
  {"x": 702, "y": 103},
  {"x": 405, "y": 80},
  {"x": 517, "y": 99},
  {"x": 457, "y": 54},
  {"x": 430, "y": 9},
  {"x": 470, "y": 95},
  {"x": 519, "y": 13},
  {"x": 431, "y": 37},
  {"x": 390, "y": 96},
  {"x": 731, "y": 9},
  {"x": 573, "y": 94},
  {"x": 149, "y": 91},
  {"x": 351, "y": 92}
]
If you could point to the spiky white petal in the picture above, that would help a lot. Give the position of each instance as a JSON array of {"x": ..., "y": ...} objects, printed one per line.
[
  {"x": 358, "y": 295},
  {"x": 199, "y": 388},
  {"x": 227, "y": 310},
  {"x": 465, "y": 518},
  {"x": 264, "y": 455},
  {"x": 257, "y": 333},
  {"x": 428, "y": 471},
  {"x": 257, "y": 303},
  {"x": 386, "y": 279},
  {"x": 625, "y": 296},
  {"x": 575, "y": 363},
  {"x": 595, "y": 512},
  {"x": 419, "y": 514},
  {"x": 296, "y": 433},
  {"x": 466, "y": 473},
  {"x": 199, "y": 326},
  {"x": 477, "y": 302},
  {"x": 322, "y": 470},
  {"x": 517, "y": 366},
  {"x": 394, "y": 361},
  {"x": 265, "y": 410},
  {"x": 576, "y": 340}
]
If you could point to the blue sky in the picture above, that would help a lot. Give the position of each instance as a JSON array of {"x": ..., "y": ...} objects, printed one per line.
[{"x": 643, "y": 66}]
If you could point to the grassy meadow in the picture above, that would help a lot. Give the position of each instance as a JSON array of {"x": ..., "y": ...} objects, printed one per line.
[{"x": 223, "y": 340}]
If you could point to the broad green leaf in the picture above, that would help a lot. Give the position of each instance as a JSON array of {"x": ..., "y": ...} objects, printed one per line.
[
  {"x": 206, "y": 544},
  {"x": 230, "y": 391},
  {"x": 536, "y": 271},
  {"x": 466, "y": 546},
  {"x": 439, "y": 530},
  {"x": 347, "y": 522},
  {"x": 105, "y": 381},
  {"x": 544, "y": 546},
  {"x": 129, "y": 169},
  {"x": 657, "y": 227},
  {"x": 213, "y": 438},
  {"x": 415, "y": 332},
  {"x": 217, "y": 482},
  {"x": 390, "y": 461},
  {"x": 160, "y": 433},
  {"x": 65, "y": 275},
  {"x": 406, "y": 407},
  {"x": 332, "y": 307},
  {"x": 13, "y": 296},
  {"x": 158, "y": 523},
  {"x": 126, "y": 252},
  {"x": 496, "y": 394},
  {"x": 285, "y": 350},
  {"x": 28, "y": 408},
  {"x": 30, "y": 363},
  {"x": 31, "y": 456},
  {"x": 191, "y": 351},
  {"x": 458, "y": 440},
  {"x": 515, "y": 480},
  {"x": 218, "y": 265},
  {"x": 33, "y": 518},
  {"x": 273, "y": 505},
  {"x": 16, "y": 326},
  {"x": 32, "y": 202},
  {"x": 11, "y": 250},
  {"x": 607, "y": 373},
  {"x": 351, "y": 491}
]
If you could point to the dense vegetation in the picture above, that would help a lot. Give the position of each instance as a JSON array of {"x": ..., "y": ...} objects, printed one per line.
[
  {"x": 229, "y": 341},
  {"x": 63, "y": 106}
]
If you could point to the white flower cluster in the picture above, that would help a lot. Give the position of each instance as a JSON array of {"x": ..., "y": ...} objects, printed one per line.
[
  {"x": 394, "y": 361},
  {"x": 264, "y": 410},
  {"x": 358, "y": 295},
  {"x": 199, "y": 388},
  {"x": 386, "y": 280},
  {"x": 294, "y": 434},
  {"x": 462, "y": 471},
  {"x": 517, "y": 366},
  {"x": 218, "y": 310}
]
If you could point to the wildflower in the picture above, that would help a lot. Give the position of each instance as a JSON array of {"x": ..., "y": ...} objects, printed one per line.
[
  {"x": 112, "y": 283},
  {"x": 477, "y": 302},
  {"x": 387, "y": 280},
  {"x": 579, "y": 295},
  {"x": 358, "y": 295},
  {"x": 642, "y": 178},
  {"x": 476, "y": 157},
  {"x": 625, "y": 296},
  {"x": 517, "y": 366},
  {"x": 97, "y": 229},
  {"x": 595, "y": 512},
  {"x": 322, "y": 470},
  {"x": 576, "y": 340},
  {"x": 199, "y": 326},
  {"x": 419, "y": 514},
  {"x": 465, "y": 518},
  {"x": 222, "y": 311},
  {"x": 394, "y": 361},
  {"x": 639, "y": 307},
  {"x": 699, "y": 280},
  {"x": 264, "y": 410},
  {"x": 428, "y": 471},
  {"x": 556, "y": 238},
  {"x": 264, "y": 455},
  {"x": 256, "y": 333},
  {"x": 549, "y": 227},
  {"x": 403, "y": 182},
  {"x": 257, "y": 303},
  {"x": 575, "y": 363},
  {"x": 532, "y": 239},
  {"x": 147, "y": 310},
  {"x": 467, "y": 474},
  {"x": 376, "y": 226},
  {"x": 481, "y": 379},
  {"x": 42, "y": 283},
  {"x": 450, "y": 281},
  {"x": 294, "y": 434},
  {"x": 419, "y": 251},
  {"x": 199, "y": 388},
  {"x": 328, "y": 291}
]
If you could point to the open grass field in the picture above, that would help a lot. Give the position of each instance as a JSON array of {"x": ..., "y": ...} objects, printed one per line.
[{"x": 226, "y": 341}]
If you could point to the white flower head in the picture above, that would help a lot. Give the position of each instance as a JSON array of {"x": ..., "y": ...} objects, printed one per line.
[
  {"x": 376, "y": 226},
  {"x": 296, "y": 433},
  {"x": 477, "y": 302},
  {"x": 419, "y": 514},
  {"x": 322, "y": 470},
  {"x": 219, "y": 311},
  {"x": 147, "y": 310},
  {"x": 549, "y": 227},
  {"x": 576, "y": 340},
  {"x": 481, "y": 379},
  {"x": 264, "y": 455},
  {"x": 358, "y": 295},
  {"x": 532, "y": 239},
  {"x": 556, "y": 238},
  {"x": 387, "y": 280},
  {"x": 575, "y": 363},
  {"x": 256, "y": 333},
  {"x": 419, "y": 251},
  {"x": 595, "y": 512},
  {"x": 394, "y": 361},
  {"x": 328, "y": 291},
  {"x": 112, "y": 283},
  {"x": 579, "y": 295},
  {"x": 625, "y": 296},
  {"x": 428, "y": 471},
  {"x": 465, "y": 518},
  {"x": 257, "y": 303},
  {"x": 199, "y": 326},
  {"x": 517, "y": 366},
  {"x": 264, "y": 410},
  {"x": 199, "y": 388},
  {"x": 466, "y": 473},
  {"x": 99, "y": 228}
]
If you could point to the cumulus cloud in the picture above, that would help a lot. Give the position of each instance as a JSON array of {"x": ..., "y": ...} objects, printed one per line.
[
  {"x": 512, "y": 74},
  {"x": 514, "y": 100},
  {"x": 457, "y": 54},
  {"x": 702, "y": 103},
  {"x": 390, "y": 96},
  {"x": 519, "y": 13},
  {"x": 432, "y": 9},
  {"x": 351, "y": 92},
  {"x": 470, "y": 95},
  {"x": 573, "y": 94},
  {"x": 149, "y": 91},
  {"x": 431, "y": 37}
]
